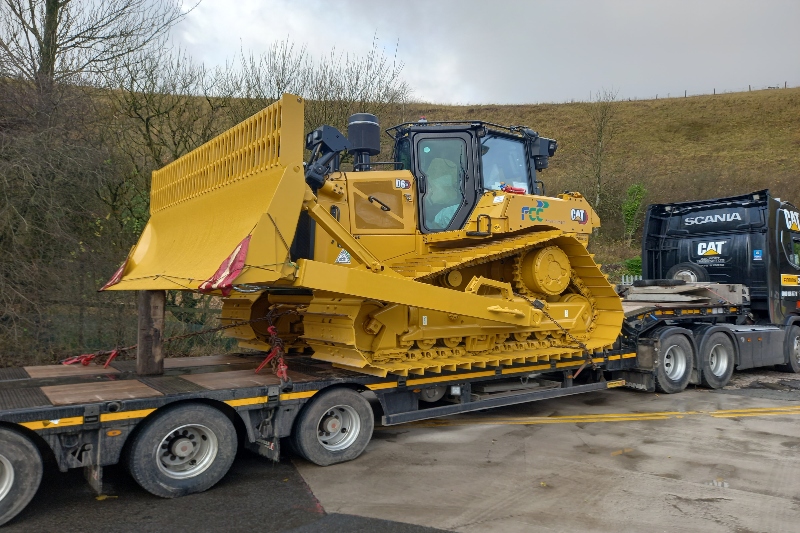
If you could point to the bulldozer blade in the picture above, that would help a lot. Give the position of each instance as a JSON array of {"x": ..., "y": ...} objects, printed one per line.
[{"x": 247, "y": 182}]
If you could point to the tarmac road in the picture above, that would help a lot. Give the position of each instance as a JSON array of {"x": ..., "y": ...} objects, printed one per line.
[{"x": 616, "y": 460}]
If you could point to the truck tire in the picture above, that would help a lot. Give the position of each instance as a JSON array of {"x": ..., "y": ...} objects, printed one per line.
[
  {"x": 791, "y": 351},
  {"x": 688, "y": 272},
  {"x": 334, "y": 427},
  {"x": 718, "y": 360},
  {"x": 20, "y": 472},
  {"x": 674, "y": 364},
  {"x": 183, "y": 449}
]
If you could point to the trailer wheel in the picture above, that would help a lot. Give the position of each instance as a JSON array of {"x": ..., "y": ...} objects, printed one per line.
[
  {"x": 335, "y": 427},
  {"x": 674, "y": 364},
  {"x": 182, "y": 450},
  {"x": 717, "y": 360},
  {"x": 791, "y": 350},
  {"x": 20, "y": 473},
  {"x": 688, "y": 272}
]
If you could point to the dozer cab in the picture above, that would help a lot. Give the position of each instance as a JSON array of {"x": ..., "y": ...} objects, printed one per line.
[{"x": 448, "y": 257}]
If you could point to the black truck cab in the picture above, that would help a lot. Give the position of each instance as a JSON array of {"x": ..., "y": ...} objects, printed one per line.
[{"x": 752, "y": 239}]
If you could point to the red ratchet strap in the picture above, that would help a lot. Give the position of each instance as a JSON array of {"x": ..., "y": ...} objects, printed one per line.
[{"x": 512, "y": 190}]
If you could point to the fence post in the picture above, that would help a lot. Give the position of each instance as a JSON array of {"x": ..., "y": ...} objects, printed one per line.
[{"x": 150, "y": 349}]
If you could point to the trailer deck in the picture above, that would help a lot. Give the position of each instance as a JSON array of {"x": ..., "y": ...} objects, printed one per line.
[{"x": 53, "y": 396}]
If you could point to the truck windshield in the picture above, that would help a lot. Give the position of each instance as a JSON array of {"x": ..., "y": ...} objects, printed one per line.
[
  {"x": 503, "y": 163},
  {"x": 442, "y": 160}
]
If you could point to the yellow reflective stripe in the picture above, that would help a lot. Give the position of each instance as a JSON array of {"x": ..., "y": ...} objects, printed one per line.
[
  {"x": 525, "y": 369},
  {"x": 55, "y": 423},
  {"x": 246, "y": 401},
  {"x": 615, "y": 383},
  {"x": 125, "y": 415},
  {"x": 298, "y": 395},
  {"x": 379, "y": 386},
  {"x": 612, "y": 357},
  {"x": 423, "y": 381},
  {"x": 628, "y": 355},
  {"x": 569, "y": 363}
]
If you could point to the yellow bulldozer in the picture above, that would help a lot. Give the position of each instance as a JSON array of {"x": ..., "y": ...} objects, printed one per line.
[{"x": 448, "y": 257}]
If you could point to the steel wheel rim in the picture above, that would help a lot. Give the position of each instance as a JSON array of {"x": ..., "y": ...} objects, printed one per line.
[
  {"x": 797, "y": 348},
  {"x": 6, "y": 477},
  {"x": 675, "y": 363},
  {"x": 187, "y": 451},
  {"x": 718, "y": 360},
  {"x": 685, "y": 275},
  {"x": 338, "y": 428}
]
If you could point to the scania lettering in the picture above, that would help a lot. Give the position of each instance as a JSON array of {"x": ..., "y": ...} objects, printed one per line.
[{"x": 726, "y": 217}]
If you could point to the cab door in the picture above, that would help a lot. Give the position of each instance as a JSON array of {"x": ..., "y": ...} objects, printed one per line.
[
  {"x": 444, "y": 168},
  {"x": 788, "y": 259}
]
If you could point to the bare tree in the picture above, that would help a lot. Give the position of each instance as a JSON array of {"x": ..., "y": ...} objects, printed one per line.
[
  {"x": 50, "y": 41},
  {"x": 602, "y": 115},
  {"x": 341, "y": 85}
]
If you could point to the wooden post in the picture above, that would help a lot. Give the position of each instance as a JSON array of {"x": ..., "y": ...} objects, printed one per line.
[{"x": 150, "y": 351}]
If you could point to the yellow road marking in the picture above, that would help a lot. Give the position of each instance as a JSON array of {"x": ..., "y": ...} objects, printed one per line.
[{"x": 607, "y": 417}]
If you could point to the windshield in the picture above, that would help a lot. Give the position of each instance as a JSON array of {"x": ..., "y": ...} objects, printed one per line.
[
  {"x": 442, "y": 161},
  {"x": 503, "y": 163}
]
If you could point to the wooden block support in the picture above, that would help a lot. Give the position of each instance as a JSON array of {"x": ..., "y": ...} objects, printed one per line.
[{"x": 150, "y": 349}]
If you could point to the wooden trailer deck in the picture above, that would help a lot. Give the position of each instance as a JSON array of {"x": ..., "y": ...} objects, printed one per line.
[{"x": 62, "y": 385}]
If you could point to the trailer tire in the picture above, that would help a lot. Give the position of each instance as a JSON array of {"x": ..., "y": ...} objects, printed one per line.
[
  {"x": 791, "y": 351},
  {"x": 717, "y": 360},
  {"x": 334, "y": 427},
  {"x": 674, "y": 364},
  {"x": 203, "y": 443},
  {"x": 20, "y": 473},
  {"x": 688, "y": 272}
]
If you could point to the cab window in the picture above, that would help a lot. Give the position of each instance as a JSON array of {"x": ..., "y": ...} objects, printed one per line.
[
  {"x": 403, "y": 154},
  {"x": 443, "y": 162},
  {"x": 791, "y": 246},
  {"x": 503, "y": 163}
]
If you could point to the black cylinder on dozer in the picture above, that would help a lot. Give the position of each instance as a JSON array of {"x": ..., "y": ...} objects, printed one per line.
[{"x": 364, "y": 135}]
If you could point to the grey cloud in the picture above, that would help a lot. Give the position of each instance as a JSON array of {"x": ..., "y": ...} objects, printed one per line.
[{"x": 519, "y": 51}]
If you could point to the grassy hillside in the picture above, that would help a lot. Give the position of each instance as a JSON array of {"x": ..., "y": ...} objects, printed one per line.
[{"x": 679, "y": 148}]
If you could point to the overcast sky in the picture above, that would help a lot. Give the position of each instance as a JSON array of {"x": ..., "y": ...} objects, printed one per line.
[{"x": 517, "y": 51}]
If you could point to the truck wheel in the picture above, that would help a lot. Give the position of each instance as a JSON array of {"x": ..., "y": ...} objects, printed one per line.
[
  {"x": 688, "y": 272},
  {"x": 335, "y": 427},
  {"x": 674, "y": 364},
  {"x": 20, "y": 473},
  {"x": 717, "y": 360},
  {"x": 791, "y": 350},
  {"x": 182, "y": 450}
]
